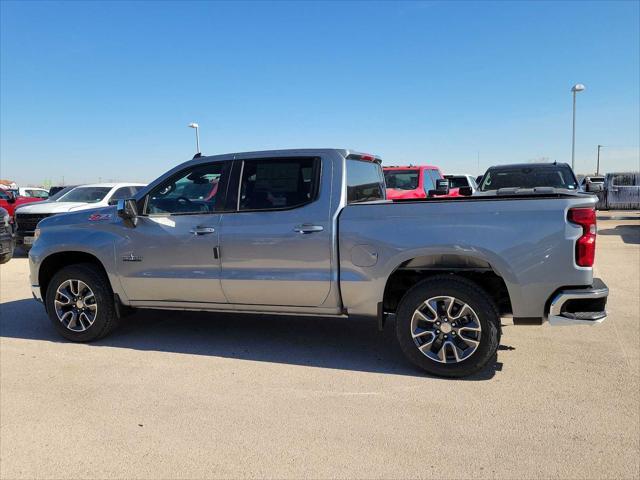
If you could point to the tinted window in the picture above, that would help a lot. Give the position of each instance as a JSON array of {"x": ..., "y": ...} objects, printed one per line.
[
  {"x": 365, "y": 181},
  {"x": 121, "y": 194},
  {"x": 4, "y": 196},
  {"x": 86, "y": 194},
  {"x": 401, "y": 179},
  {"x": 627, "y": 180},
  {"x": 192, "y": 191},
  {"x": 457, "y": 182},
  {"x": 429, "y": 183},
  {"x": 557, "y": 176},
  {"x": 278, "y": 183}
]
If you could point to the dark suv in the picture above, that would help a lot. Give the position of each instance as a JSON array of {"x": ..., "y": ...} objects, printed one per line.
[{"x": 529, "y": 175}]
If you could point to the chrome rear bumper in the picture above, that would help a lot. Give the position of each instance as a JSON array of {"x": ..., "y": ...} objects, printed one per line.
[{"x": 580, "y": 306}]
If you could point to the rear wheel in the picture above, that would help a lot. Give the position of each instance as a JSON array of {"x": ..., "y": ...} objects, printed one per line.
[
  {"x": 80, "y": 303},
  {"x": 448, "y": 326}
]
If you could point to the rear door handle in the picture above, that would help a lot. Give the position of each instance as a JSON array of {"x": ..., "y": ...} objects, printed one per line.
[
  {"x": 202, "y": 230},
  {"x": 308, "y": 228}
]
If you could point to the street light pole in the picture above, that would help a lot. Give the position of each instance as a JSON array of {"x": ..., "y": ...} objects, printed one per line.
[
  {"x": 197, "y": 128},
  {"x": 598, "y": 161},
  {"x": 578, "y": 87}
]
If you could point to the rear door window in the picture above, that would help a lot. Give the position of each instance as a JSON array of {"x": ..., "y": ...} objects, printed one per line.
[
  {"x": 278, "y": 183},
  {"x": 365, "y": 181}
]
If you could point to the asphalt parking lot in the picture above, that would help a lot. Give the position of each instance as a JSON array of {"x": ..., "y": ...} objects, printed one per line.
[{"x": 174, "y": 395}]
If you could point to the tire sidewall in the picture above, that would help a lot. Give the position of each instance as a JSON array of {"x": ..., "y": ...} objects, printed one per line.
[
  {"x": 104, "y": 299},
  {"x": 465, "y": 291}
]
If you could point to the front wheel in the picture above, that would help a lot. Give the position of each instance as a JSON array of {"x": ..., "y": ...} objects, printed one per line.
[
  {"x": 448, "y": 326},
  {"x": 80, "y": 303}
]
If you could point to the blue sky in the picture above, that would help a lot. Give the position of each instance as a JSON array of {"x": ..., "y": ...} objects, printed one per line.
[{"x": 94, "y": 90}]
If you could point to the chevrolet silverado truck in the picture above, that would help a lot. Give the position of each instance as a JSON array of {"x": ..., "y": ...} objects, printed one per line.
[{"x": 310, "y": 232}]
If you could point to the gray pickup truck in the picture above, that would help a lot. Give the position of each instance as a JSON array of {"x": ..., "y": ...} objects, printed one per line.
[{"x": 309, "y": 232}]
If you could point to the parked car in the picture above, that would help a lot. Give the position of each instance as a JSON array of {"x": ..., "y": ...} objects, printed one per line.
[
  {"x": 35, "y": 192},
  {"x": 461, "y": 181},
  {"x": 9, "y": 200},
  {"x": 622, "y": 191},
  {"x": 6, "y": 237},
  {"x": 309, "y": 232},
  {"x": 77, "y": 198},
  {"x": 414, "y": 181},
  {"x": 529, "y": 175}
]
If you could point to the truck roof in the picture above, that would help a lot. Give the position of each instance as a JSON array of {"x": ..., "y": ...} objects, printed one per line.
[
  {"x": 410, "y": 167},
  {"x": 517, "y": 166}
]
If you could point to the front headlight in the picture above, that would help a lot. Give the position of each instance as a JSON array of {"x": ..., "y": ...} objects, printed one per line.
[{"x": 36, "y": 234}]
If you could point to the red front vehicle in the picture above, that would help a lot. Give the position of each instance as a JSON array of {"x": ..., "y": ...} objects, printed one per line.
[
  {"x": 9, "y": 200},
  {"x": 414, "y": 182}
]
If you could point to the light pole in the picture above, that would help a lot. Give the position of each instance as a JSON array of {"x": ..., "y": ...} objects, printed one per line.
[
  {"x": 578, "y": 87},
  {"x": 598, "y": 161},
  {"x": 197, "y": 127}
]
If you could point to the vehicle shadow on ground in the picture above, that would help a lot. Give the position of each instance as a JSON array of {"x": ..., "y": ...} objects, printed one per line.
[
  {"x": 628, "y": 233},
  {"x": 319, "y": 342}
]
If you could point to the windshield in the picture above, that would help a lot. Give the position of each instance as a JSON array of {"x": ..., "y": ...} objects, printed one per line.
[
  {"x": 85, "y": 194},
  {"x": 401, "y": 179},
  {"x": 557, "y": 176}
]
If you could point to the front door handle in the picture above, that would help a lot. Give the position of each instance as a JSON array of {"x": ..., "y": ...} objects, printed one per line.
[
  {"x": 202, "y": 230},
  {"x": 308, "y": 228}
]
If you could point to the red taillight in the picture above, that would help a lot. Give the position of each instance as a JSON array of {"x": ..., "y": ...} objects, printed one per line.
[{"x": 586, "y": 244}]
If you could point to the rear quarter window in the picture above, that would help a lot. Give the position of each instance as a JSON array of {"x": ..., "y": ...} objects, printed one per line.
[{"x": 365, "y": 181}]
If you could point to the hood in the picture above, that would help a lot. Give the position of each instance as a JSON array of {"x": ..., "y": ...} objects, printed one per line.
[
  {"x": 55, "y": 207},
  {"x": 84, "y": 216}
]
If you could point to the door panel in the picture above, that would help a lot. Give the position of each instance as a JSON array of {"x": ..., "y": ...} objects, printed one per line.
[
  {"x": 163, "y": 259},
  {"x": 280, "y": 255},
  {"x": 171, "y": 254}
]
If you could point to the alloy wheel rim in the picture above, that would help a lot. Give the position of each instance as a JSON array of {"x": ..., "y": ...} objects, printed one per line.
[
  {"x": 75, "y": 305},
  {"x": 446, "y": 329}
]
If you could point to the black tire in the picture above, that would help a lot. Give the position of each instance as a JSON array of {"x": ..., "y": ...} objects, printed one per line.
[
  {"x": 106, "y": 318},
  {"x": 5, "y": 258},
  {"x": 467, "y": 292},
  {"x": 25, "y": 248}
]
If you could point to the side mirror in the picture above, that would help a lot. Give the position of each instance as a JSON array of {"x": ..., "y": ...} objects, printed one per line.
[
  {"x": 442, "y": 188},
  {"x": 128, "y": 211},
  {"x": 465, "y": 191}
]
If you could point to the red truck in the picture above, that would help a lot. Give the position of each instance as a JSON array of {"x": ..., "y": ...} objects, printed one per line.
[
  {"x": 414, "y": 181},
  {"x": 10, "y": 200}
]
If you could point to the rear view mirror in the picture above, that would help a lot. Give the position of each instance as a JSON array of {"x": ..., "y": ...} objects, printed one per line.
[{"x": 128, "y": 210}]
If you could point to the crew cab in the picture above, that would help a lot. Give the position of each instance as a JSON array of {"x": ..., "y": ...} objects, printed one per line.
[
  {"x": 310, "y": 232},
  {"x": 415, "y": 181}
]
